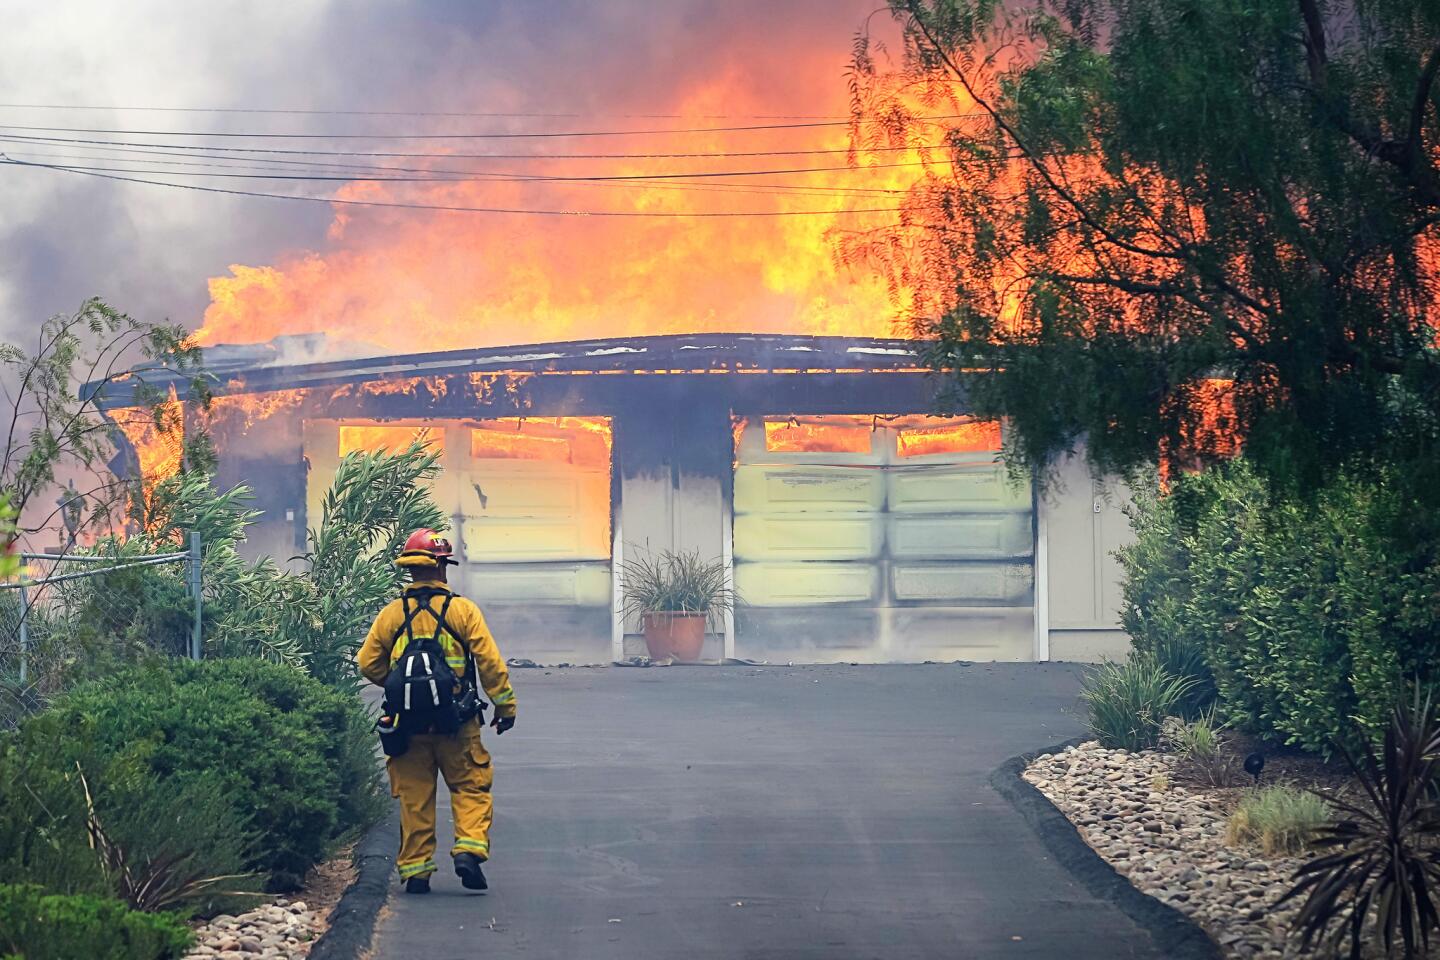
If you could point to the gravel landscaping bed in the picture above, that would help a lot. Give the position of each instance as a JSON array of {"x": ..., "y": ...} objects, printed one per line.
[
  {"x": 283, "y": 930},
  {"x": 1168, "y": 839}
]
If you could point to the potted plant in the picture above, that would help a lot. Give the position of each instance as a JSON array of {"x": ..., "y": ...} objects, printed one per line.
[{"x": 676, "y": 596}]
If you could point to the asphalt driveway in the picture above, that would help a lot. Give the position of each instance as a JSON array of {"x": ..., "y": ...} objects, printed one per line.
[{"x": 832, "y": 812}]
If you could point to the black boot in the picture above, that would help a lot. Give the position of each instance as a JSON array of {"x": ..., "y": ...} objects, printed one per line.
[
  {"x": 417, "y": 885},
  {"x": 467, "y": 868}
]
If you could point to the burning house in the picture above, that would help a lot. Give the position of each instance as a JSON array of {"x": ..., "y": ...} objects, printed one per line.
[{"x": 856, "y": 525}]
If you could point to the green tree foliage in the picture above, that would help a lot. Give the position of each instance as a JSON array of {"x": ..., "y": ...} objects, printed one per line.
[
  {"x": 9, "y": 562},
  {"x": 1309, "y": 614},
  {"x": 1145, "y": 201},
  {"x": 313, "y": 619},
  {"x": 57, "y": 433},
  {"x": 38, "y": 925}
]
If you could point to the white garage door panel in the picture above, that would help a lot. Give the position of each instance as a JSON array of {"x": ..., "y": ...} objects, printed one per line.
[
  {"x": 965, "y": 536},
  {"x": 1008, "y": 583},
  {"x": 773, "y": 488},
  {"x": 807, "y": 536},
  {"x": 586, "y": 585},
  {"x": 518, "y": 539},
  {"x": 806, "y": 584},
  {"x": 942, "y": 489},
  {"x": 502, "y": 490},
  {"x": 964, "y": 633}
]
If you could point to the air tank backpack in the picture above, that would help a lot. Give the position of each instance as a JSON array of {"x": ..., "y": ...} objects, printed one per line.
[{"x": 422, "y": 692}]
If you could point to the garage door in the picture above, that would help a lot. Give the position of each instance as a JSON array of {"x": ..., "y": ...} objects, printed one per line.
[
  {"x": 534, "y": 500},
  {"x": 875, "y": 539},
  {"x": 529, "y": 500}
]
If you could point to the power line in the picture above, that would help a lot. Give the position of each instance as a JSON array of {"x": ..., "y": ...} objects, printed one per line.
[
  {"x": 206, "y": 148},
  {"x": 543, "y": 178},
  {"x": 758, "y": 189},
  {"x": 629, "y": 214},
  {"x": 426, "y": 113},
  {"x": 490, "y": 135}
]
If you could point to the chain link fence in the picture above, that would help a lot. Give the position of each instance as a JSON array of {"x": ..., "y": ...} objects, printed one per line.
[{"x": 96, "y": 606}]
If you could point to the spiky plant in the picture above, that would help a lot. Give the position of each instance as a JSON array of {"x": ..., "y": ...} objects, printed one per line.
[
  {"x": 1383, "y": 864},
  {"x": 1129, "y": 701},
  {"x": 375, "y": 501},
  {"x": 676, "y": 582}
]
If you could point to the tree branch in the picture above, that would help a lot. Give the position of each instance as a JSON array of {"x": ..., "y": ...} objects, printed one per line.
[
  {"x": 1316, "y": 56},
  {"x": 1031, "y": 157},
  {"x": 1413, "y": 139}
]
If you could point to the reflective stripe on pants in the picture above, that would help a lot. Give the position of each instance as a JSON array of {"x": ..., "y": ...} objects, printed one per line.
[{"x": 465, "y": 764}]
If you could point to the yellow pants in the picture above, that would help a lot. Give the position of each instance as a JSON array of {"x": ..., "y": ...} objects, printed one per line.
[{"x": 465, "y": 764}]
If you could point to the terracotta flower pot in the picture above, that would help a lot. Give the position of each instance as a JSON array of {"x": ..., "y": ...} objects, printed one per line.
[{"x": 678, "y": 635}]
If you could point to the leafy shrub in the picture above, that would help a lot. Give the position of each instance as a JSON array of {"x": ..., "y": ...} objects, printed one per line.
[
  {"x": 171, "y": 847},
  {"x": 37, "y": 925},
  {"x": 313, "y": 620},
  {"x": 77, "y": 819},
  {"x": 1309, "y": 613},
  {"x": 295, "y": 757},
  {"x": 1383, "y": 864},
  {"x": 1156, "y": 591},
  {"x": 1279, "y": 820},
  {"x": 1128, "y": 702}
]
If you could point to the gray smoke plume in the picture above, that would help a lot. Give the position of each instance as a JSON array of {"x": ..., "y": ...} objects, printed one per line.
[{"x": 149, "y": 250}]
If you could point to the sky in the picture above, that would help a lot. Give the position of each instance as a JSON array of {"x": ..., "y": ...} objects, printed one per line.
[{"x": 150, "y": 251}]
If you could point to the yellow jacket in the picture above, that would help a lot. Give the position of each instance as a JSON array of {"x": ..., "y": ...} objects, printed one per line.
[{"x": 464, "y": 619}]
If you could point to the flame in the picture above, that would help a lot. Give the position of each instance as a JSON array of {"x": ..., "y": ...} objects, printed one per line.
[
  {"x": 157, "y": 435},
  {"x": 814, "y": 435},
  {"x": 411, "y": 281},
  {"x": 1209, "y": 434},
  {"x": 583, "y": 441},
  {"x": 374, "y": 438},
  {"x": 398, "y": 386},
  {"x": 239, "y": 412},
  {"x": 975, "y": 436}
]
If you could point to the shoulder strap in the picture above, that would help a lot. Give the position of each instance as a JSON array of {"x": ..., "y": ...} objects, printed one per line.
[
  {"x": 407, "y": 627},
  {"x": 422, "y": 600}
]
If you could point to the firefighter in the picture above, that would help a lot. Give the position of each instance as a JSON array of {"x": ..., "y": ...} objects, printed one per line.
[{"x": 428, "y": 609}]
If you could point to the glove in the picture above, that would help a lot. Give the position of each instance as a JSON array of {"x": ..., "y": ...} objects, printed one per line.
[{"x": 501, "y": 724}]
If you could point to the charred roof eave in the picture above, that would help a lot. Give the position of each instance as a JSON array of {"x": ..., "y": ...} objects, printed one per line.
[{"x": 246, "y": 370}]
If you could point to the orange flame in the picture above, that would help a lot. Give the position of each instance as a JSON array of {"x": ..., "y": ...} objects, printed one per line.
[
  {"x": 817, "y": 436},
  {"x": 583, "y": 441},
  {"x": 157, "y": 435},
  {"x": 980, "y": 436},
  {"x": 240, "y": 411},
  {"x": 375, "y": 438},
  {"x": 399, "y": 386},
  {"x": 406, "y": 280}
]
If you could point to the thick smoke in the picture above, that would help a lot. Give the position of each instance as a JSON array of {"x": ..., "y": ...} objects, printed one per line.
[{"x": 150, "y": 251}]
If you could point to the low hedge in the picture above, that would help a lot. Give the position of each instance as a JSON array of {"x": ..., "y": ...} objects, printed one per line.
[
  {"x": 1306, "y": 618},
  {"x": 35, "y": 925},
  {"x": 294, "y": 757}
]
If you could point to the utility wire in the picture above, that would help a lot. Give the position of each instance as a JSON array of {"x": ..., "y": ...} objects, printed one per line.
[
  {"x": 758, "y": 189},
  {"x": 470, "y": 156},
  {"x": 490, "y": 135},
  {"x": 537, "y": 177},
  {"x": 629, "y": 214},
  {"x": 427, "y": 113}
]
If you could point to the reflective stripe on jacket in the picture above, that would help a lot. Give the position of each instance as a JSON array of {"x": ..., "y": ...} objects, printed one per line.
[{"x": 381, "y": 647}]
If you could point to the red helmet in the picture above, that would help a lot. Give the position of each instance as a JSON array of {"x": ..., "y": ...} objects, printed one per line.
[{"x": 426, "y": 548}]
